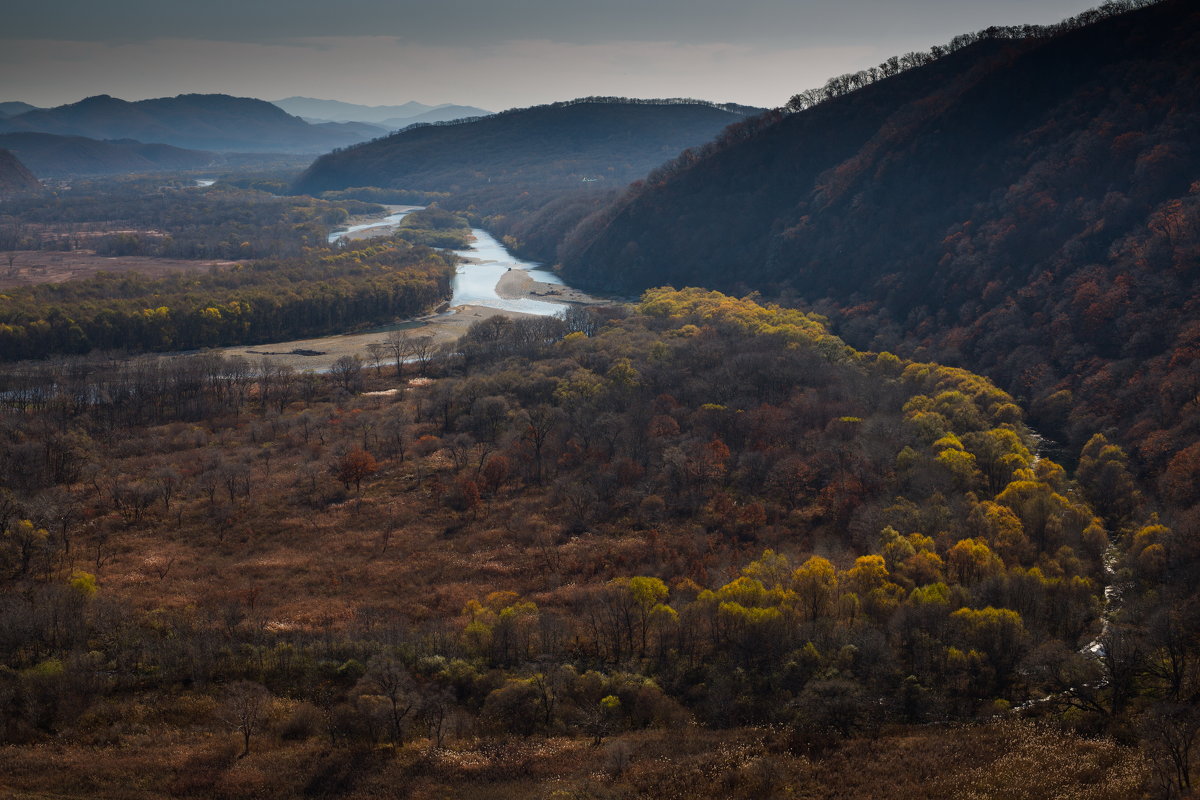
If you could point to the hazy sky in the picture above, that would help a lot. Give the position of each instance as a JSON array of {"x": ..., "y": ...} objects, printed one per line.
[{"x": 491, "y": 53}]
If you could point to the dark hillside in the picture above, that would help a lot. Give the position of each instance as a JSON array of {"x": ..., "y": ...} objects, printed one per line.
[
  {"x": 57, "y": 156},
  {"x": 1027, "y": 206},
  {"x": 607, "y": 141},
  {"x": 15, "y": 178}
]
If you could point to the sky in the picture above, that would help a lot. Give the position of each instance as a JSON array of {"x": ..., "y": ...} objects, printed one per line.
[{"x": 494, "y": 54}]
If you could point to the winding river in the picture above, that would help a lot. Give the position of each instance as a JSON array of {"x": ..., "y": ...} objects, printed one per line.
[
  {"x": 474, "y": 298},
  {"x": 484, "y": 264}
]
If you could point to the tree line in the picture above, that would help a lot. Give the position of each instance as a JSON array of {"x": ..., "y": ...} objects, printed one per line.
[{"x": 326, "y": 290}]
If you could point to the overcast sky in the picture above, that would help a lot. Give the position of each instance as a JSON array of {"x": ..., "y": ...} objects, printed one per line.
[{"x": 491, "y": 53}]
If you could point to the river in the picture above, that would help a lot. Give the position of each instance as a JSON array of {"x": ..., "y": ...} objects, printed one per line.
[
  {"x": 475, "y": 297},
  {"x": 477, "y": 276}
]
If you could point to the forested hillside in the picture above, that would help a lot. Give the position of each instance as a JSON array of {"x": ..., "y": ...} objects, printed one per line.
[
  {"x": 608, "y": 140},
  {"x": 1024, "y": 202},
  {"x": 529, "y": 174},
  {"x": 601, "y": 529}
]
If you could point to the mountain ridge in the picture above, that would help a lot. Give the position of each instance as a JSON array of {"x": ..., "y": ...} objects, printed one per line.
[
  {"x": 389, "y": 116},
  {"x": 194, "y": 121},
  {"x": 615, "y": 138}
]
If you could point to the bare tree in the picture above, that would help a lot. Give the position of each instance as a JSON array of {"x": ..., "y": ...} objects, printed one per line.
[
  {"x": 347, "y": 370},
  {"x": 166, "y": 480},
  {"x": 376, "y": 351},
  {"x": 423, "y": 351},
  {"x": 399, "y": 346},
  {"x": 387, "y": 677},
  {"x": 245, "y": 708}
]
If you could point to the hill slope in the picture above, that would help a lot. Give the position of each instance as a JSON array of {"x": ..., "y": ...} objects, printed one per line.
[
  {"x": 15, "y": 178},
  {"x": 53, "y": 156},
  {"x": 200, "y": 121},
  {"x": 561, "y": 144},
  {"x": 14, "y": 107},
  {"x": 1027, "y": 206}
]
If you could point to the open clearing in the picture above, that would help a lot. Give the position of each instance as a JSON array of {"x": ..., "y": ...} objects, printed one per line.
[{"x": 30, "y": 267}]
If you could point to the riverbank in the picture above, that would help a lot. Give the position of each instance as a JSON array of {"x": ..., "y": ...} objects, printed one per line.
[{"x": 517, "y": 284}]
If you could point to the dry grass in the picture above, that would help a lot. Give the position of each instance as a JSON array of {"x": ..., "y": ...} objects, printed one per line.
[
  {"x": 1006, "y": 761},
  {"x": 395, "y": 547},
  {"x": 31, "y": 267}
]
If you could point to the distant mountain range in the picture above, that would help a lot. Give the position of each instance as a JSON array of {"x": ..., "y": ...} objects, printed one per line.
[
  {"x": 609, "y": 140},
  {"x": 14, "y": 177},
  {"x": 12, "y": 108},
  {"x": 360, "y": 131},
  {"x": 195, "y": 121},
  {"x": 439, "y": 114},
  {"x": 388, "y": 117}
]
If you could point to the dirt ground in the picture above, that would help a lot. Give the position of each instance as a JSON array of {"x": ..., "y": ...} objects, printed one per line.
[
  {"x": 517, "y": 283},
  {"x": 31, "y": 267},
  {"x": 319, "y": 354}
]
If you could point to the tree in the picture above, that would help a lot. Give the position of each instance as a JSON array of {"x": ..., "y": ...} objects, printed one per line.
[
  {"x": 387, "y": 677},
  {"x": 245, "y": 708},
  {"x": 376, "y": 352},
  {"x": 538, "y": 423},
  {"x": 1172, "y": 738},
  {"x": 423, "y": 349},
  {"x": 1103, "y": 472},
  {"x": 998, "y": 632},
  {"x": 347, "y": 370},
  {"x": 815, "y": 581},
  {"x": 354, "y": 466},
  {"x": 648, "y": 596},
  {"x": 399, "y": 345}
]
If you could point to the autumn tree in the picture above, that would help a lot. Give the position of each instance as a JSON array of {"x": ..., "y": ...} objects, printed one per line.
[
  {"x": 1104, "y": 475},
  {"x": 354, "y": 466},
  {"x": 815, "y": 582}
]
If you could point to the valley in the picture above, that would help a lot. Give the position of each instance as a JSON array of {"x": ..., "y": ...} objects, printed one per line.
[{"x": 610, "y": 447}]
